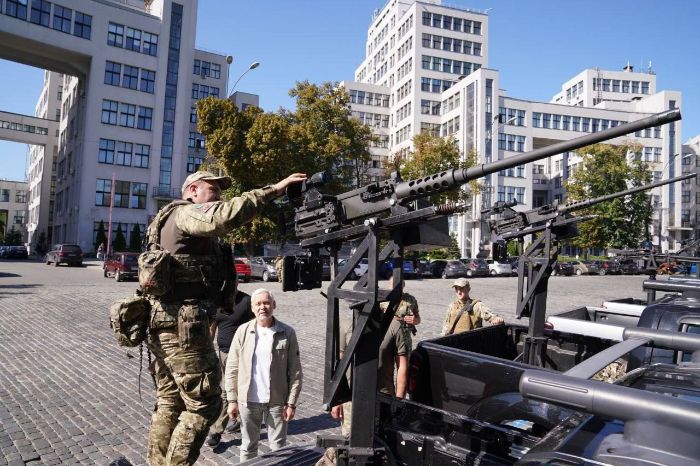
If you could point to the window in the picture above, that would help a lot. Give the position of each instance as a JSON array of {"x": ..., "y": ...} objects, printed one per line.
[
  {"x": 215, "y": 70},
  {"x": 133, "y": 39},
  {"x": 103, "y": 192},
  {"x": 121, "y": 194},
  {"x": 193, "y": 114},
  {"x": 130, "y": 80},
  {"x": 536, "y": 120},
  {"x": 585, "y": 124},
  {"x": 193, "y": 163},
  {"x": 502, "y": 141},
  {"x": 138, "y": 195},
  {"x": 148, "y": 79},
  {"x": 109, "y": 112},
  {"x": 127, "y": 115},
  {"x": 16, "y": 9},
  {"x": 145, "y": 118},
  {"x": 575, "y": 123},
  {"x": 115, "y": 35},
  {"x": 82, "y": 27},
  {"x": 521, "y": 144},
  {"x": 124, "y": 150},
  {"x": 112, "y": 73},
  {"x": 142, "y": 154},
  {"x": 150, "y": 43},
  {"x": 21, "y": 196},
  {"x": 645, "y": 87},
  {"x": 19, "y": 217},
  {"x": 41, "y": 12},
  {"x": 62, "y": 18},
  {"x": 106, "y": 154}
]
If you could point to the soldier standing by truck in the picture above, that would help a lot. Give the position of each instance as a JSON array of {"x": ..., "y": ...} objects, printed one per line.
[
  {"x": 185, "y": 280},
  {"x": 466, "y": 313}
]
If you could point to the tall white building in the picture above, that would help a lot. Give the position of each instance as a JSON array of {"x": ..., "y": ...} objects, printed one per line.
[
  {"x": 125, "y": 78},
  {"x": 426, "y": 69}
]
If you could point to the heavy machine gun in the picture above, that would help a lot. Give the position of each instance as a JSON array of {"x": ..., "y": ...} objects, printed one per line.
[
  {"x": 536, "y": 263},
  {"x": 384, "y": 208}
]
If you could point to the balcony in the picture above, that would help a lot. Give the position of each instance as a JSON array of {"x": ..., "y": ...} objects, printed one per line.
[{"x": 165, "y": 193}]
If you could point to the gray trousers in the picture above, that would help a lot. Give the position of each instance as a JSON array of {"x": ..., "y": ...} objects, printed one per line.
[
  {"x": 252, "y": 415},
  {"x": 223, "y": 419}
]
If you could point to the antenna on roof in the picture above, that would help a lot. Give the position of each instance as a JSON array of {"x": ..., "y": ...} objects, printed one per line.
[{"x": 649, "y": 69}]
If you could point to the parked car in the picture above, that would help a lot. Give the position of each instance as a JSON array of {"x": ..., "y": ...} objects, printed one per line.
[
  {"x": 563, "y": 268},
  {"x": 422, "y": 269},
  {"x": 628, "y": 267},
  {"x": 121, "y": 265},
  {"x": 408, "y": 270},
  {"x": 476, "y": 267},
  {"x": 608, "y": 267},
  {"x": 3, "y": 249},
  {"x": 242, "y": 270},
  {"x": 499, "y": 268},
  {"x": 385, "y": 271},
  {"x": 585, "y": 267},
  {"x": 15, "y": 252},
  {"x": 70, "y": 254},
  {"x": 448, "y": 268},
  {"x": 263, "y": 267}
]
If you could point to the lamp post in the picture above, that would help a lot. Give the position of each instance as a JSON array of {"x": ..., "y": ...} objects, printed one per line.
[{"x": 252, "y": 66}]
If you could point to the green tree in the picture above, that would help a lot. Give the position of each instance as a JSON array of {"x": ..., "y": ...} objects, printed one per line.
[
  {"x": 135, "y": 239},
  {"x": 604, "y": 170},
  {"x": 13, "y": 237},
  {"x": 41, "y": 246},
  {"x": 119, "y": 243},
  {"x": 101, "y": 236},
  {"x": 252, "y": 147}
]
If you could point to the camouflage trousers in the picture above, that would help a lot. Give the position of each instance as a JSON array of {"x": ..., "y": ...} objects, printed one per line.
[{"x": 188, "y": 398}]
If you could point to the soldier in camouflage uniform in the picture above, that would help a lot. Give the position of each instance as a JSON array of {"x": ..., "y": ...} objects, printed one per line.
[
  {"x": 466, "y": 313},
  {"x": 406, "y": 313},
  {"x": 186, "y": 366}
]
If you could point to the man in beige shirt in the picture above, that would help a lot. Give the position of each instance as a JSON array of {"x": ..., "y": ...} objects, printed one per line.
[{"x": 466, "y": 313}]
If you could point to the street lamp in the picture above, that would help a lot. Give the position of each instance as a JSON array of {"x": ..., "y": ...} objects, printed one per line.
[{"x": 252, "y": 66}]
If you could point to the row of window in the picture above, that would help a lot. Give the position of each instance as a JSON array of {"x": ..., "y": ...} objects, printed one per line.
[
  {"x": 403, "y": 112},
  {"x": 127, "y": 194},
  {"x": 207, "y": 69},
  {"x": 451, "y": 23},
  {"x": 435, "y": 85},
  {"x": 200, "y": 91},
  {"x": 405, "y": 68},
  {"x": 649, "y": 132},
  {"x": 129, "y": 38},
  {"x": 620, "y": 85},
  {"x": 404, "y": 48},
  {"x": 79, "y": 25},
  {"x": 22, "y": 127},
  {"x": 446, "y": 65},
  {"x": 515, "y": 172},
  {"x": 196, "y": 140},
  {"x": 124, "y": 153},
  {"x": 451, "y": 127},
  {"x": 20, "y": 195},
  {"x": 375, "y": 120},
  {"x": 404, "y": 90},
  {"x": 511, "y": 142},
  {"x": 429, "y": 107},
  {"x": 574, "y": 90},
  {"x": 509, "y": 193},
  {"x": 369, "y": 98},
  {"x": 431, "y": 128},
  {"x": 450, "y": 103},
  {"x": 405, "y": 27},
  {"x": 126, "y": 115},
  {"x": 511, "y": 116},
  {"x": 403, "y": 134},
  {"x": 127, "y": 76},
  {"x": 572, "y": 123},
  {"x": 467, "y": 47},
  {"x": 126, "y": 229}
]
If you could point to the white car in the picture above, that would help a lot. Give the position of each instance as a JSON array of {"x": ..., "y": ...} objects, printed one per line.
[{"x": 499, "y": 268}]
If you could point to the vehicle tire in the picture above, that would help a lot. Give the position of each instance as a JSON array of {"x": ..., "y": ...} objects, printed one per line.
[
  {"x": 246, "y": 279},
  {"x": 493, "y": 273},
  {"x": 470, "y": 274},
  {"x": 56, "y": 264},
  {"x": 579, "y": 272},
  {"x": 104, "y": 272},
  {"x": 117, "y": 276},
  {"x": 352, "y": 276},
  {"x": 48, "y": 262},
  {"x": 266, "y": 276},
  {"x": 601, "y": 272},
  {"x": 444, "y": 274}
]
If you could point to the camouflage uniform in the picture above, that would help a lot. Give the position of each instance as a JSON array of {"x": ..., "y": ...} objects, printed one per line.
[
  {"x": 408, "y": 306},
  {"x": 186, "y": 366},
  {"x": 468, "y": 320}
]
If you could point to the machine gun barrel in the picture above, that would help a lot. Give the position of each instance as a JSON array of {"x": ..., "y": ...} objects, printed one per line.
[
  {"x": 569, "y": 207},
  {"x": 439, "y": 182}
]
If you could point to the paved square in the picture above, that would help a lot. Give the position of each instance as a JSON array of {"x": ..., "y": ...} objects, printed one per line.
[{"x": 70, "y": 395}]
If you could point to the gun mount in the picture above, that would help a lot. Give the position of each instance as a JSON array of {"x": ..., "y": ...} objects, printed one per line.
[{"x": 384, "y": 207}]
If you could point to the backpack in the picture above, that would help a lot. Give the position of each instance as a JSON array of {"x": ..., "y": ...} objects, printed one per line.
[
  {"x": 129, "y": 319},
  {"x": 155, "y": 277}
]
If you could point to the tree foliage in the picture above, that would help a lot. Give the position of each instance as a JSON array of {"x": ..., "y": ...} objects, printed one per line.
[
  {"x": 119, "y": 243},
  {"x": 13, "y": 237},
  {"x": 256, "y": 148},
  {"x": 135, "y": 239},
  {"x": 605, "y": 170},
  {"x": 101, "y": 236},
  {"x": 41, "y": 245}
]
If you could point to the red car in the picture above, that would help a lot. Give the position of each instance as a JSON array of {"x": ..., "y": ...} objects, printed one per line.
[
  {"x": 121, "y": 265},
  {"x": 242, "y": 270}
]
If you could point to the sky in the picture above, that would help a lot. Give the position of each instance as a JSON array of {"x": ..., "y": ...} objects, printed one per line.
[{"x": 536, "y": 45}]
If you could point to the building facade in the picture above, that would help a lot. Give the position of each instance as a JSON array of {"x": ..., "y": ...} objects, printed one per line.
[
  {"x": 14, "y": 198},
  {"x": 426, "y": 70},
  {"x": 125, "y": 78}
]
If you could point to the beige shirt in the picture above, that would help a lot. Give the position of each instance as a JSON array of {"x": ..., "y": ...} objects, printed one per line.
[
  {"x": 468, "y": 320},
  {"x": 285, "y": 365}
]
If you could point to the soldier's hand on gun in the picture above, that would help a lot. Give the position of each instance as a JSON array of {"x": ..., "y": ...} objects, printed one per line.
[
  {"x": 232, "y": 411},
  {"x": 280, "y": 186},
  {"x": 337, "y": 412},
  {"x": 410, "y": 320}
]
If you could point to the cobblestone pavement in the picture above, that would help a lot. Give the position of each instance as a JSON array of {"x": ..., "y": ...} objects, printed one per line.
[{"x": 70, "y": 395}]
